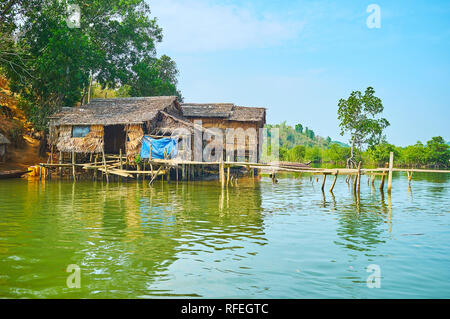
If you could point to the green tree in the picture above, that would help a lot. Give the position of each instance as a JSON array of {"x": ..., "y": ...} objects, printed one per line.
[
  {"x": 297, "y": 153},
  {"x": 415, "y": 154},
  {"x": 154, "y": 77},
  {"x": 381, "y": 153},
  {"x": 358, "y": 116},
  {"x": 337, "y": 154},
  {"x": 438, "y": 151},
  {"x": 313, "y": 154},
  {"x": 299, "y": 128},
  {"x": 114, "y": 39}
]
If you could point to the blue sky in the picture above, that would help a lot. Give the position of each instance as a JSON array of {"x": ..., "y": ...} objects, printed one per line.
[{"x": 298, "y": 58}]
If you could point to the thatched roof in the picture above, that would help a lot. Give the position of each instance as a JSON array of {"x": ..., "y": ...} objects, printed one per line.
[
  {"x": 135, "y": 110},
  {"x": 222, "y": 110},
  {"x": 226, "y": 111},
  {"x": 3, "y": 139}
]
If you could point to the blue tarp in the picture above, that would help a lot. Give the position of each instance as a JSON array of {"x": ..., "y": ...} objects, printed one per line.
[{"x": 158, "y": 147}]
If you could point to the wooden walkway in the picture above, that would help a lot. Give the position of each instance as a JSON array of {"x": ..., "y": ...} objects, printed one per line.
[{"x": 120, "y": 167}]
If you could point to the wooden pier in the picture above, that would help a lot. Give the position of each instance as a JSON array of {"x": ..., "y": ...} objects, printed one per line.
[{"x": 118, "y": 167}]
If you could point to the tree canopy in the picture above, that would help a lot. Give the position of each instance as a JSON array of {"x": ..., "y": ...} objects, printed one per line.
[
  {"x": 115, "y": 46},
  {"x": 358, "y": 116}
]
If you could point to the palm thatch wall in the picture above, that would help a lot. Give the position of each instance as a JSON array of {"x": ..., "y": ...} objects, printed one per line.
[
  {"x": 135, "y": 133},
  {"x": 91, "y": 143}
]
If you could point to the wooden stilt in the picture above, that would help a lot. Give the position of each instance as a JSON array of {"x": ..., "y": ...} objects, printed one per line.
[
  {"x": 154, "y": 176},
  {"x": 358, "y": 185},
  {"x": 383, "y": 177},
  {"x": 334, "y": 181},
  {"x": 410, "y": 174},
  {"x": 323, "y": 182},
  {"x": 104, "y": 166},
  {"x": 222, "y": 173},
  {"x": 73, "y": 166},
  {"x": 60, "y": 162},
  {"x": 228, "y": 175},
  {"x": 391, "y": 166}
]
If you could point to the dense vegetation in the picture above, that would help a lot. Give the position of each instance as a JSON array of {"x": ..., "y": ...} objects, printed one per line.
[
  {"x": 51, "y": 63},
  {"x": 298, "y": 146}
]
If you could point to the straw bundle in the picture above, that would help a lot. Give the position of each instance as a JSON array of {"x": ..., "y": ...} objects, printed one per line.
[
  {"x": 91, "y": 143},
  {"x": 135, "y": 133}
]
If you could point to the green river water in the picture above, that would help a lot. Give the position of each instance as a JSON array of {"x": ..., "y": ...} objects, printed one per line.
[{"x": 255, "y": 240}]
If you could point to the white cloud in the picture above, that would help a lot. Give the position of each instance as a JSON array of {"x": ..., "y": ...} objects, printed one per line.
[{"x": 200, "y": 25}]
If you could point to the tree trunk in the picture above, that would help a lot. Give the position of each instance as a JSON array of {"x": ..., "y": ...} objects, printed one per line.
[
  {"x": 350, "y": 160},
  {"x": 43, "y": 145}
]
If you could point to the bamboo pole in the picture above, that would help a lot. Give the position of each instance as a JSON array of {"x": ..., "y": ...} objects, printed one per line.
[
  {"x": 104, "y": 166},
  {"x": 73, "y": 165},
  {"x": 96, "y": 170},
  {"x": 222, "y": 173},
  {"x": 410, "y": 174},
  {"x": 383, "y": 177},
  {"x": 391, "y": 166},
  {"x": 154, "y": 176},
  {"x": 334, "y": 181},
  {"x": 358, "y": 185},
  {"x": 323, "y": 181},
  {"x": 60, "y": 162},
  {"x": 120, "y": 160}
]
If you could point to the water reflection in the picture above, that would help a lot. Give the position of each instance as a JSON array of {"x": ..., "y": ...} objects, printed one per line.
[
  {"x": 284, "y": 240},
  {"x": 107, "y": 228}
]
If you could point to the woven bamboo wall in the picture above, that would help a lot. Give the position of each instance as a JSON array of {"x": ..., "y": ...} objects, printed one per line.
[
  {"x": 91, "y": 143},
  {"x": 135, "y": 133}
]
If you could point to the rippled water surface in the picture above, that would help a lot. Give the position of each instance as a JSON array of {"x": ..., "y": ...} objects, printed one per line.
[{"x": 256, "y": 240}]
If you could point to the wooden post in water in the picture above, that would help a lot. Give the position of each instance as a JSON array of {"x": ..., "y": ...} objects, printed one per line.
[
  {"x": 222, "y": 173},
  {"x": 358, "y": 185},
  {"x": 391, "y": 165},
  {"x": 73, "y": 165},
  {"x": 410, "y": 174},
  {"x": 323, "y": 182},
  {"x": 60, "y": 162},
  {"x": 183, "y": 172},
  {"x": 104, "y": 165},
  {"x": 334, "y": 181},
  {"x": 96, "y": 168},
  {"x": 383, "y": 177}
]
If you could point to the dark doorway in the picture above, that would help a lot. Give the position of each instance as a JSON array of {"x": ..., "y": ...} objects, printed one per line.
[{"x": 114, "y": 139}]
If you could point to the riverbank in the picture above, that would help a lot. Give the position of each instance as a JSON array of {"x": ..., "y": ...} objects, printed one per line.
[{"x": 24, "y": 157}]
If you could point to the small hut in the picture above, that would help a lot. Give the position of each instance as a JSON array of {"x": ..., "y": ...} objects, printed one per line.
[
  {"x": 118, "y": 125},
  {"x": 3, "y": 145},
  {"x": 114, "y": 125},
  {"x": 245, "y": 122}
]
